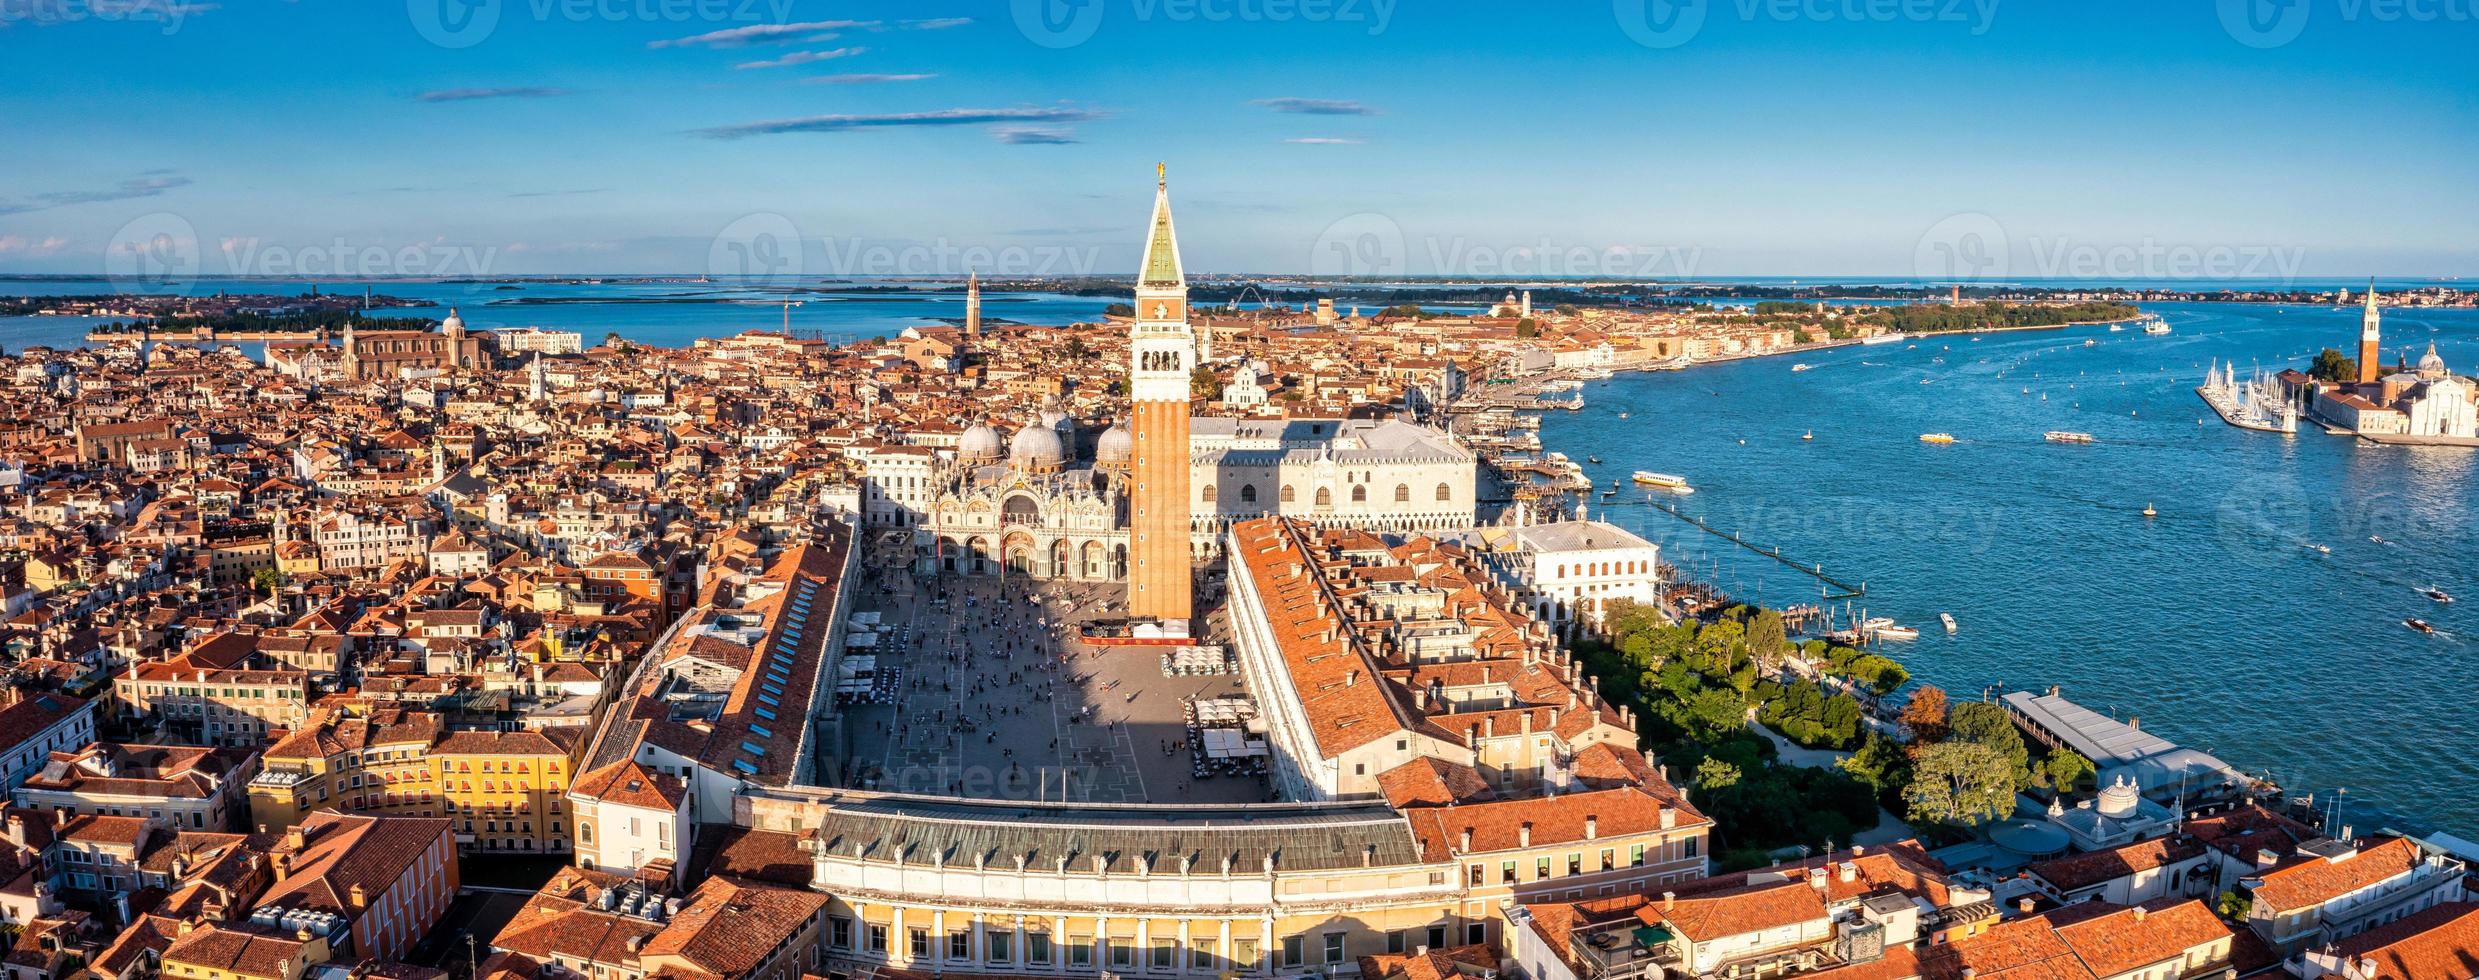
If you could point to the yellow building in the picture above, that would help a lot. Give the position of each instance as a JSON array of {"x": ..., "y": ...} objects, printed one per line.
[
  {"x": 505, "y": 791},
  {"x": 211, "y": 952}
]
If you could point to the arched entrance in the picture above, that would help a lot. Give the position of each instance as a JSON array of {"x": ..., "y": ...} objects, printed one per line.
[
  {"x": 1019, "y": 551},
  {"x": 1058, "y": 560},
  {"x": 980, "y": 549},
  {"x": 1093, "y": 561}
]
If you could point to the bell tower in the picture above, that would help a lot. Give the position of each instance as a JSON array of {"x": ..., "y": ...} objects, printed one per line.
[
  {"x": 2370, "y": 340},
  {"x": 1162, "y": 357}
]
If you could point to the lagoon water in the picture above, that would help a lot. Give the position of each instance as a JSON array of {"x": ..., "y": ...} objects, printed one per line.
[{"x": 2217, "y": 623}]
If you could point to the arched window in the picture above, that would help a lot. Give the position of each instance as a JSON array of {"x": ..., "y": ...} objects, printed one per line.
[
  {"x": 1359, "y": 494},
  {"x": 1402, "y": 493},
  {"x": 1288, "y": 494},
  {"x": 1248, "y": 493},
  {"x": 1445, "y": 492},
  {"x": 585, "y": 833},
  {"x": 1212, "y": 495},
  {"x": 1325, "y": 497}
]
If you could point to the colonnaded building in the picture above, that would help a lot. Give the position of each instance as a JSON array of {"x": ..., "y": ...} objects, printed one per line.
[{"x": 1432, "y": 754}]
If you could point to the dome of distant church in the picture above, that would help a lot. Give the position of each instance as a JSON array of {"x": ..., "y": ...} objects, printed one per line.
[
  {"x": 1038, "y": 447},
  {"x": 1115, "y": 446},
  {"x": 981, "y": 442},
  {"x": 453, "y": 323},
  {"x": 2433, "y": 364}
]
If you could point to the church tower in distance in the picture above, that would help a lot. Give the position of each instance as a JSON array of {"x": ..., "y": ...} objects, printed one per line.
[{"x": 1163, "y": 354}]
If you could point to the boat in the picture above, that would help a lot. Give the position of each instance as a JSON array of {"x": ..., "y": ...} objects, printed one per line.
[
  {"x": 1886, "y": 629},
  {"x": 2419, "y": 625},
  {"x": 1948, "y": 620},
  {"x": 1663, "y": 481},
  {"x": 2321, "y": 549},
  {"x": 1594, "y": 460},
  {"x": 2088, "y": 342},
  {"x": 2117, "y": 328},
  {"x": 1808, "y": 436},
  {"x": 1796, "y": 368},
  {"x": 1622, "y": 415},
  {"x": 1937, "y": 438},
  {"x": 2437, "y": 594},
  {"x": 1885, "y": 338},
  {"x": 2149, "y": 512},
  {"x": 2079, "y": 438},
  {"x": 2155, "y": 326}
]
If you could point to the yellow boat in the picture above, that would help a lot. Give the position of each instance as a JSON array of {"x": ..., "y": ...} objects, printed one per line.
[{"x": 1938, "y": 438}]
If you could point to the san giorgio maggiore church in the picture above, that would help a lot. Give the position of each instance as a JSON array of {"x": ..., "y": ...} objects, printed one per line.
[
  {"x": 1050, "y": 500},
  {"x": 2422, "y": 405}
]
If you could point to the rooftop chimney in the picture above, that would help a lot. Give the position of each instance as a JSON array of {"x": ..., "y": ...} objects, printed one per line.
[
  {"x": 2140, "y": 913},
  {"x": 1467, "y": 839},
  {"x": 1669, "y": 900},
  {"x": 2025, "y": 904},
  {"x": 1592, "y": 826},
  {"x": 1523, "y": 834}
]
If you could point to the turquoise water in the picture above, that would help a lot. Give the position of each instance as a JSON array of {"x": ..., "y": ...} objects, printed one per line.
[
  {"x": 666, "y": 314},
  {"x": 2216, "y": 623}
]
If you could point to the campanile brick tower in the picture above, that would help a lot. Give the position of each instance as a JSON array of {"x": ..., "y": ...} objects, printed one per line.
[{"x": 1164, "y": 353}]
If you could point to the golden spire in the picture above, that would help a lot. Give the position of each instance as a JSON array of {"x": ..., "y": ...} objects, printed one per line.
[{"x": 1162, "y": 175}]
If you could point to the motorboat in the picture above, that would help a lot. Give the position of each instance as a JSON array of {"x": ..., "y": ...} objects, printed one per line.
[
  {"x": 1796, "y": 368},
  {"x": 1948, "y": 620},
  {"x": 2079, "y": 438},
  {"x": 1937, "y": 438},
  {"x": 2419, "y": 625},
  {"x": 2437, "y": 594}
]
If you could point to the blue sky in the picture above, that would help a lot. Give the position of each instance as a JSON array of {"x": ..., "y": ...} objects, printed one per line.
[{"x": 1729, "y": 137}]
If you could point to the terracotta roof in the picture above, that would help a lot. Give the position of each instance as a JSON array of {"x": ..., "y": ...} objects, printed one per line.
[
  {"x": 2311, "y": 880},
  {"x": 2440, "y": 942}
]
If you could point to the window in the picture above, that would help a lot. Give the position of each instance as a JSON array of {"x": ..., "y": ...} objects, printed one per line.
[
  {"x": 1476, "y": 933},
  {"x": 1079, "y": 951},
  {"x": 1445, "y": 492},
  {"x": 1540, "y": 868},
  {"x": 1402, "y": 493},
  {"x": 1635, "y": 856},
  {"x": 1037, "y": 948},
  {"x": 1437, "y": 937},
  {"x": 1244, "y": 955},
  {"x": 839, "y": 932},
  {"x": 1334, "y": 947},
  {"x": 1000, "y": 945},
  {"x": 1359, "y": 494},
  {"x": 1395, "y": 940},
  {"x": 1479, "y": 875},
  {"x": 1201, "y": 955},
  {"x": 1506, "y": 872},
  {"x": 1163, "y": 955},
  {"x": 1609, "y": 859},
  {"x": 1575, "y": 864},
  {"x": 1211, "y": 495},
  {"x": 1122, "y": 952},
  {"x": 920, "y": 944},
  {"x": 1295, "y": 951},
  {"x": 1248, "y": 493},
  {"x": 1325, "y": 497}
]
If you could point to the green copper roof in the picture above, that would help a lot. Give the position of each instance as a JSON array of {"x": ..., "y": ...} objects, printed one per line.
[{"x": 1162, "y": 248}]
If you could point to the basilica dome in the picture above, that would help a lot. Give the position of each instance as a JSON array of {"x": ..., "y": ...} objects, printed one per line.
[
  {"x": 1115, "y": 446},
  {"x": 980, "y": 444},
  {"x": 1037, "y": 447}
]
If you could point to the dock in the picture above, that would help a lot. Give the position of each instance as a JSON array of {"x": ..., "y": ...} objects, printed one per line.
[{"x": 1846, "y": 590}]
